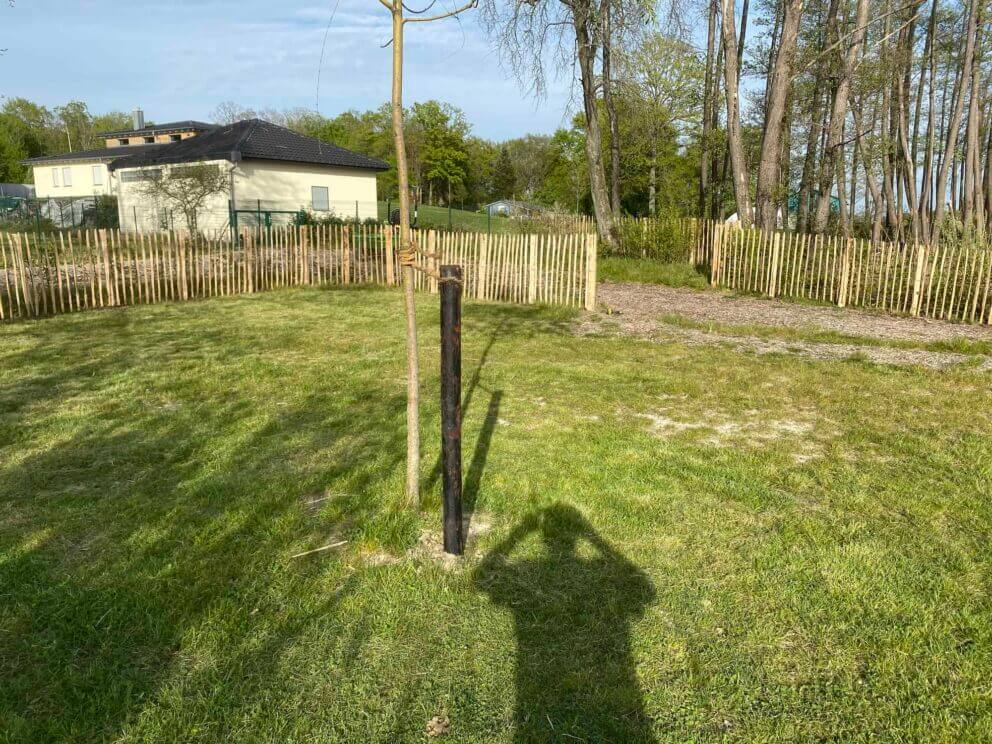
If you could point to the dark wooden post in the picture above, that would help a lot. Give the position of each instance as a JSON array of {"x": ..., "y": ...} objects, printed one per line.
[{"x": 451, "y": 407}]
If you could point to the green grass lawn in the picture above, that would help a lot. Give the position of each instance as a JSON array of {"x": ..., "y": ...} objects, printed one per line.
[
  {"x": 680, "y": 543},
  {"x": 461, "y": 219}
]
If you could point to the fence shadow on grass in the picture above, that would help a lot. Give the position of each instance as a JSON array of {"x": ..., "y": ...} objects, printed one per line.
[{"x": 572, "y": 603}]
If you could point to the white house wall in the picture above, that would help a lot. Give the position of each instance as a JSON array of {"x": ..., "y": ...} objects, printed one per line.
[
  {"x": 285, "y": 185},
  {"x": 277, "y": 185},
  {"x": 81, "y": 177}
]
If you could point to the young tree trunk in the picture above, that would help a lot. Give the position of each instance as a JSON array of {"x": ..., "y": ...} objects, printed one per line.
[
  {"x": 611, "y": 109},
  {"x": 954, "y": 124},
  {"x": 837, "y": 115},
  {"x": 779, "y": 80},
  {"x": 406, "y": 259},
  {"x": 585, "y": 45},
  {"x": 735, "y": 146}
]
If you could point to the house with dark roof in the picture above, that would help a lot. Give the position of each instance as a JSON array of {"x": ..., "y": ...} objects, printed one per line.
[
  {"x": 83, "y": 173},
  {"x": 270, "y": 168}
]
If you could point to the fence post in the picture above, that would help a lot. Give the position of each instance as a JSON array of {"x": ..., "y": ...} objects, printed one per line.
[
  {"x": 921, "y": 262},
  {"x": 482, "y": 280},
  {"x": 773, "y": 271},
  {"x": 387, "y": 232},
  {"x": 451, "y": 409},
  {"x": 102, "y": 234},
  {"x": 27, "y": 288},
  {"x": 845, "y": 274},
  {"x": 346, "y": 254},
  {"x": 532, "y": 269},
  {"x": 715, "y": 253},
  {"x": 591, "y": 247}
]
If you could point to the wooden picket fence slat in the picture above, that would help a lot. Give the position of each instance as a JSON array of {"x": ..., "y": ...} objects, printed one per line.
[
  {"x": 942, "y": 282},
  {"x": 86, "y": 269}
]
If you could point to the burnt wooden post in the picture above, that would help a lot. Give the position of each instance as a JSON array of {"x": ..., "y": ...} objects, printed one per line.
[{"x": 451, "y": 407}]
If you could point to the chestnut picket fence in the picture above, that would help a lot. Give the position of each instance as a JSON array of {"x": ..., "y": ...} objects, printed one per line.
[
  {"x": 44, "y": 275},
  {"x": 942, "y": 281}
]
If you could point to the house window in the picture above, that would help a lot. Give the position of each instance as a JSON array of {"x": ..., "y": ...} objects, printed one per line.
[
  {"x": 175, "y": 137},
  {"x": 67, "y": 176},
  {"x": 319, "y": 198},
  {"x": 149, "y": 140},
  {"x": 98, "y": 175},
  {"x": 123, "y": 142},
  {"x": 133, "y": 176},
  {"x": 55, "y": 176}
]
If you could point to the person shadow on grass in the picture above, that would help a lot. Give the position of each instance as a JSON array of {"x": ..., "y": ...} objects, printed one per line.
[{"x": 572, "y": 605}]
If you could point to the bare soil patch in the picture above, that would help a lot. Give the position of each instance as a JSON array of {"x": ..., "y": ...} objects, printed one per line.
[{"x": 638, "y": 309}]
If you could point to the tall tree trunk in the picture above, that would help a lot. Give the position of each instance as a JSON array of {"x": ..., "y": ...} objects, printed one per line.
[
  {"x": 735, "y": 146},
  {"x": 817, "y": 113},
  {"x": 841, "y": 191},
  {"x": 855, "y": 165},
  {"x": 908, "y": 165},
  {"x": 779, "y": 80},
  {"x": 926, "y": 178},
  {"x": 653, "y": 179},
  {"x": 709, "y": 106},
  {"x": 611, "y": 109},
  {"x": 785, "y": 159},
  {"x": 988, "y": 176},
  {"x": 407, "y": 258},
  {"x": 870, "y": 185},
  {"x": 971, "y": 32},
  {"x": 585, "y": 44},
  {"x": 972, "y": 205},
  {"x": 838, "y": 113}
]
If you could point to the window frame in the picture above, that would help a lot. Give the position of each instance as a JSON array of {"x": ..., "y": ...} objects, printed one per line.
[
  {"x": 327, "y": 198},
  {"x": 123, "y": 141},
  {"x": 66, "y": 171},
  {"x": 96, "y": 175},
  {"x": 55, "y": 176}
]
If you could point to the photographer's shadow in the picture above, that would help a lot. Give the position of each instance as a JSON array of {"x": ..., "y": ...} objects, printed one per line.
[{"x": 572, "y": 609}]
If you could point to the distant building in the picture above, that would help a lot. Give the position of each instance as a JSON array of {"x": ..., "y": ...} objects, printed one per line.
[
  {"x": 266, "y": 163},
  {"x": 85, "y": 173},
  {"x": 511, "y": 208}
]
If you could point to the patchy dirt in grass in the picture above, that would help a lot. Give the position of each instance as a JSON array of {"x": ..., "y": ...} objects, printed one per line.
[
  {"x": 638, "y": 309},
  {"x": 430, "y": 546},
  {"x": 749, "y": 430}
]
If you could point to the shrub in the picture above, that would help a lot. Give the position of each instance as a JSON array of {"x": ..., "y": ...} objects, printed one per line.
[{"x": 666, "y": 239}]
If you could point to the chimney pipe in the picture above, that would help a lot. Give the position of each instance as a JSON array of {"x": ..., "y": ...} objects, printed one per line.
[{"x": 138, "y": 119}]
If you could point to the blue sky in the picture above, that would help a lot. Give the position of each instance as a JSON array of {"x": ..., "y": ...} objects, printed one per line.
[{"x": 178, "y": 60}]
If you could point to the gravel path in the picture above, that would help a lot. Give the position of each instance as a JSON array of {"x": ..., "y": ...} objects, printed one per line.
[{"x": 637, "y": 310}]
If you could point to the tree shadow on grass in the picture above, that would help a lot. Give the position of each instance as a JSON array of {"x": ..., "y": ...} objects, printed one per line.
[
  {"x": 572, "y": 606},
  {"x": 150, "y": 526}
]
